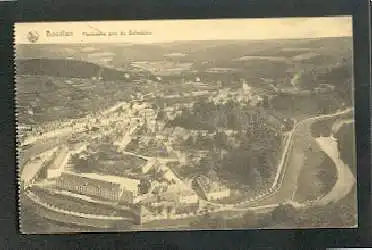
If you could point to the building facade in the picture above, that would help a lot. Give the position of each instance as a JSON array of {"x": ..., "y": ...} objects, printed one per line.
[
  {"x": 90, "y": 187},
  {"x": 211, "y": 189},
  {"x": 99, "y": 187},
  {"x": 217, "y": 195}
]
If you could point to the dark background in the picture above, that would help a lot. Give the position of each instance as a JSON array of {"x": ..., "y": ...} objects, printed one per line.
[{"x": 61, "y": 10}]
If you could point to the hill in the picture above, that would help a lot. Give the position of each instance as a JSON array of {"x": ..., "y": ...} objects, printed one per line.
[{"x": 73, "y": 69}]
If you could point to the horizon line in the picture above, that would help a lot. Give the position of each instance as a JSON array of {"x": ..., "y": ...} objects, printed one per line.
[{"x": 185, "y": 41}]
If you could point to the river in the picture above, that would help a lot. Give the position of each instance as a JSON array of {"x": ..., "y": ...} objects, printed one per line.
[{"x": 287, "y": 184}]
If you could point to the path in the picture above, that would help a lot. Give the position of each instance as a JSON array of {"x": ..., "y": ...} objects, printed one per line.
[{"x": 285, "y": 183}]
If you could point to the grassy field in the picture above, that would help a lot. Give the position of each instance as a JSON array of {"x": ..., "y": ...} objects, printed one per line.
[
  {"x": 164, "y": 224},
  {"x": 301, "y": 107},
  {"x": 335, "y": 215},
  {"x": 70, "y": 203},
  {"x": 113, "y": 167},
  {"x": 318, "y": 174},
  {"x": 322, "y": 128},
  {"x": 69, "y": 101},
  {"x": 346, "y": 146},
  {"x": 317, "y": 177},
  {"x": 73, "y": 98}
]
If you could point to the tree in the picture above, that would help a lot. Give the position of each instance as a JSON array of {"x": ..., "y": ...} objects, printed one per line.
[
  {"x": 232, "y": 121},
  {"x": 188, "y": 142},
  {"x": 144, "y": 186},
  {"x": 161, "y": 115},
  {"x": 220, "y": 140},
  {"x": 217, "y": 223},
  {"x": 249, "y": 219},
  {"x": 75, "y": 159},
  {"x": 284, "y": 213},
  {"x": 159, "y": 174},
  {"x": 345, "y": 145},
  {"x": 255, "y": 176}
]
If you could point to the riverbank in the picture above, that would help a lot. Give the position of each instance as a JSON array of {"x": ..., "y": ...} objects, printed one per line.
[
  {"x": 291, "y": 163},
  {"x": 345, "y": 178}
]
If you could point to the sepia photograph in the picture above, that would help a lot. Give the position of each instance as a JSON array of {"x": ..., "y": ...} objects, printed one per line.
[{"x": 167, "y": 125}]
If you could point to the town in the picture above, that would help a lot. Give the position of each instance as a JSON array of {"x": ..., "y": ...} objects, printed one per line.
[
  {"x": 132, "y": 155},
  {"x": 185, "y": 135}
]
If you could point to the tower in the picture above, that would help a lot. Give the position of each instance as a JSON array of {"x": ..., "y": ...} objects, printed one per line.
[
  {"x": 99, "y": 73},
  {"x": 212, "y": 175}
]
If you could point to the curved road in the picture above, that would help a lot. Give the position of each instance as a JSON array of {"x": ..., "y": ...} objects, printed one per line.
[
  {"x": 299, "y": 142},
  {"x": 288, "y": 171}
]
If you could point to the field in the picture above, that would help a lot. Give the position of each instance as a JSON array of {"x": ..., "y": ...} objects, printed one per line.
[
  {"x": 165, "y": 224},
  {"x": 319, "y": 173},
  {"x": 322, "y": 128},
  {"x": 289, "y": 75},
  {"x": 317, "y": 177},
  {"x": 32, "y": 221},
  {"x": 347, "y": 146},
  {"x": 76, "y": 95},
  {"x": 97, "y": 163},
  {"x": 152, "y": 148},
  {"x": 70, "y": 101},
  {"x": 69, "y": 203},
  {"x": 340, "y": 214},
  {"x": 302, "y": 107}
]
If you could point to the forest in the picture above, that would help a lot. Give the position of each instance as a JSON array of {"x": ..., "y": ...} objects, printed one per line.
[
  {"x": 207, "y": 115},
  {"x": 347, "y": 147},
  {"x": 334, "y": 215},
  {"x": 251, "y": 161},
  {"x": 73, "y": 69}
]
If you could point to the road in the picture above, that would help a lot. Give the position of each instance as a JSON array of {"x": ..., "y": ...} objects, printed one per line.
[
  {"x": 38, "y": 147},
  {"x": 338, "y": 124},
  {"x": 34, "y": 166},
  {"x": 35, "y": 145},
  {"x": 288, "y": 171},
  {"x": 51, "y": 207},
  {"x": 294, "y": 155}
]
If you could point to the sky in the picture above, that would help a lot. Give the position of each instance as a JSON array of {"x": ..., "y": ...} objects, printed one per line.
[{"x": 187, "y": 30}]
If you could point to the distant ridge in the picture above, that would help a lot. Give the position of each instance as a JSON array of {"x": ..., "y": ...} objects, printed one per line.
[{"x": 74, "y": 69}]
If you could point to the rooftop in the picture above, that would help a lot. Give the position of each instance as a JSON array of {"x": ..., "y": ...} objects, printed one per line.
[
  {"x": 210, "y": 186},
  {"x": 127, "y": 183},
  {"x": 180, "y": 188},
  {"x": 62, "y": 153}
]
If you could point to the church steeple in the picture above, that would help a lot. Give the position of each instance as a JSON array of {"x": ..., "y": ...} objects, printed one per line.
[
  {"x": 99, "y": 73},
  {"x": 212, "y": 175}
]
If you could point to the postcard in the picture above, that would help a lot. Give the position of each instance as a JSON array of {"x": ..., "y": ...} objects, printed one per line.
[{"x": 185, "y": 125}]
